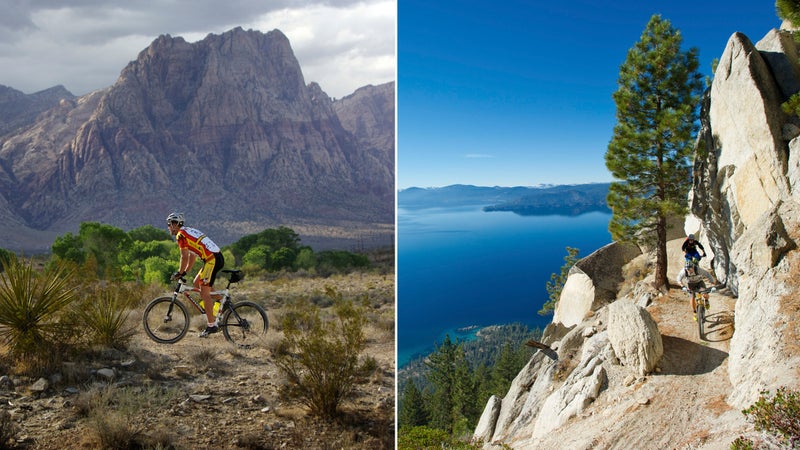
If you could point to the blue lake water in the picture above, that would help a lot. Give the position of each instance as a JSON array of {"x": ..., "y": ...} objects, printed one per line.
[{"x": 461, "y": 267}]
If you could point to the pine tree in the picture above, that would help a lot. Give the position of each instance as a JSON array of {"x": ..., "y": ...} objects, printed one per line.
[
  {"x": 557, "y": 282},
  {"x": 657, "y": 113},
  {"x": 504, "y": 371},
  {"x": 412, "y": 411},
  {"x": 442, "y": 365},
  {"x": 465, "y": 399},
  {"x": 788, "y": 10}
]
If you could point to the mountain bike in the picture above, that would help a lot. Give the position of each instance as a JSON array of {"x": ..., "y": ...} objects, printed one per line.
[
  {"x": 702, "y": 306},
  {"x": 166, "y": 319}
]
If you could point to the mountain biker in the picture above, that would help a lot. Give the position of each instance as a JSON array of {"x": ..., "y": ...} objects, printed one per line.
[
  {"x": 691, "y": 278},
  {"x": 194, "y": 243},
  {"x": 690, "y": 246}
]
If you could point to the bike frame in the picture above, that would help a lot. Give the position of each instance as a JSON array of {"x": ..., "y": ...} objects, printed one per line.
[{"x": 183, "y": 287}]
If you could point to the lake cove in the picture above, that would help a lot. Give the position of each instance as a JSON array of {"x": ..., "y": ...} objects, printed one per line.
[{"x": 461, "y": 268}]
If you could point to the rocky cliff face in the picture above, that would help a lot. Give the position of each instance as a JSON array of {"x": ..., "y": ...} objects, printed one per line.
[
  {"x": 745, "y": 204},
  {"x": 630, "y": 367},
  {"x": 224, "y": 129},
  {"x": 18, "y": 109}
]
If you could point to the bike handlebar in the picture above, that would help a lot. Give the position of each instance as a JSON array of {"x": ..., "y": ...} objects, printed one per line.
[{"x": 700, "y": 291}]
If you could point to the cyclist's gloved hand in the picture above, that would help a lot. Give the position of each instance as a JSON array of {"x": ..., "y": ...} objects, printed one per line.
[{"x": 177, "y": 275}]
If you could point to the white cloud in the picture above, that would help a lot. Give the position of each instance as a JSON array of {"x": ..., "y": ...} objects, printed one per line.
[
  {"x": 84, "y": 45},
  {"x": 340, "y": 48}
]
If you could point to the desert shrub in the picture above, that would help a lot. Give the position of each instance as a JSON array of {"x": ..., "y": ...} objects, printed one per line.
[
  {"x": 8, "y": 430},
  {"x": 105, "y": 315},
  {"x": 778, "y": 416},
  {"x": 31, "y": 305},
  {"x": 204, "y": 358},
  {"x": 113, "y": 430},
  {"x": 109, "y": 410},
  {"x": 321, "y": 357}
]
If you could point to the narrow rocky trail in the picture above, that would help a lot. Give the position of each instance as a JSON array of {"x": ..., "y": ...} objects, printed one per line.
[{"x": 681, "y": 406}]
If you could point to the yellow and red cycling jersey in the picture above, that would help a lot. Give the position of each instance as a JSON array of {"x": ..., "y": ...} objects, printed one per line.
[{"x": 196, "y": 242}]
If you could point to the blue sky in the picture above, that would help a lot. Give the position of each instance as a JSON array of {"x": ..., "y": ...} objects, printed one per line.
[{"x": 518, "y": 92}]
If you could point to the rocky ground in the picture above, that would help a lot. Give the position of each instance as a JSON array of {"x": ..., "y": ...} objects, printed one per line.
[
  {"x": 204, "y": 393},
  {"x": 681, "y": 406}
]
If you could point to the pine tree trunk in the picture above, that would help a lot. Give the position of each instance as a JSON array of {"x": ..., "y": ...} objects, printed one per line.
[{"x": 660, "y": 275}]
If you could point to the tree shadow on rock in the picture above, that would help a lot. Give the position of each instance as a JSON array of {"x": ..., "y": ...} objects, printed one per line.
[{"x": 683, "y": 357}]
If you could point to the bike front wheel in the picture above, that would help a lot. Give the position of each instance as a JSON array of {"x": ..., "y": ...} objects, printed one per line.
[
  {"x": 701, "y": 317},
  {"x": 245, "y": 324},
  {"x": 166, "y": 320}
]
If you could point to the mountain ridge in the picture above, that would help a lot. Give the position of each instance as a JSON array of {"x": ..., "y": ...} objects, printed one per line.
[
  {"x": 224, "y": 129},
  {"x": 566, "y": 199}
]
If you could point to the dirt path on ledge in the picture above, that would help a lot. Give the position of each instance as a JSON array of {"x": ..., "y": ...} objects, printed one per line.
[{"x": 682, "y": 406}]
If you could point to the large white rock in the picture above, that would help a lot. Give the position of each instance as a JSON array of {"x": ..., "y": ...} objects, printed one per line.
[
  {"x": 634, "y": 336},
  {"x": 746, "y": 117},
  {"x": 576, "y": 299},
  {"x": 746, "y": 196},
  {"x": 593, "y": 282},
  {"x": 579, "y": 390},
  {"x": 486, "y": 425}
]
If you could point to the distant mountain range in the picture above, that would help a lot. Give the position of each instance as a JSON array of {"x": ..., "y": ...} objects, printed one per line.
[
  {"x": 540, "y": 200},
  {"x": 224, "y": 129}
]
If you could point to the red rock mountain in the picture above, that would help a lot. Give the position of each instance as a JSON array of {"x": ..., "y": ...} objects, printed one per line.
[{"x": 225, "y": 130}]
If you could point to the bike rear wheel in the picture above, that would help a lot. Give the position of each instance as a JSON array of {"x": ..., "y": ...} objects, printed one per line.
[
  {"x": 245, "y": 325},
  {"x": 166, "y": 320}
]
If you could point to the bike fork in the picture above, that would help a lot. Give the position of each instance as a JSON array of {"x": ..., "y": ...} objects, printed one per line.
[{"x": 168, "y": 316}]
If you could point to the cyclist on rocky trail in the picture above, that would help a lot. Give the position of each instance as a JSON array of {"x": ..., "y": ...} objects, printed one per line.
[
  {"x": 193, "y": 244},
  {"x": 691, "y": 278},
  {"x": 690, "y": 246}
]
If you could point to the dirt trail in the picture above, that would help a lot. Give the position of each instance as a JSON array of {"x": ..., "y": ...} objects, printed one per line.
[{"x": 682, "y": 405}]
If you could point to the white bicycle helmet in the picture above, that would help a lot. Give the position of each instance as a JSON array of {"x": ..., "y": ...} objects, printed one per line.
[{"x": 175, "y": 217}]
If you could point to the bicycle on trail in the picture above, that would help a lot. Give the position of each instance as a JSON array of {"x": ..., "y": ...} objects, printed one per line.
[
  {"x": 166, "y": 319},
  {"x": 701, "y": 299}
]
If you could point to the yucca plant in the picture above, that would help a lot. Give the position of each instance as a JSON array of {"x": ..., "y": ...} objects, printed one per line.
[{"x": 30, "y": 305}]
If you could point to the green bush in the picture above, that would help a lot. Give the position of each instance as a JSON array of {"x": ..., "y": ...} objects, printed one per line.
[
  {"x": 258, "y": 256},
  {"x": 6, "y": 257},
  {"x": 778, "y": 416},
  {"x": 148, "y": 233},
  {"x": 157, "y": 270},
  {"x": 424, "y": 438},
  {"x": 557, "y": 282},
  {"x": 321, "y": 357},
  {"x": 333, "y": 261},
  {"x": 305, "y": 260}
]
